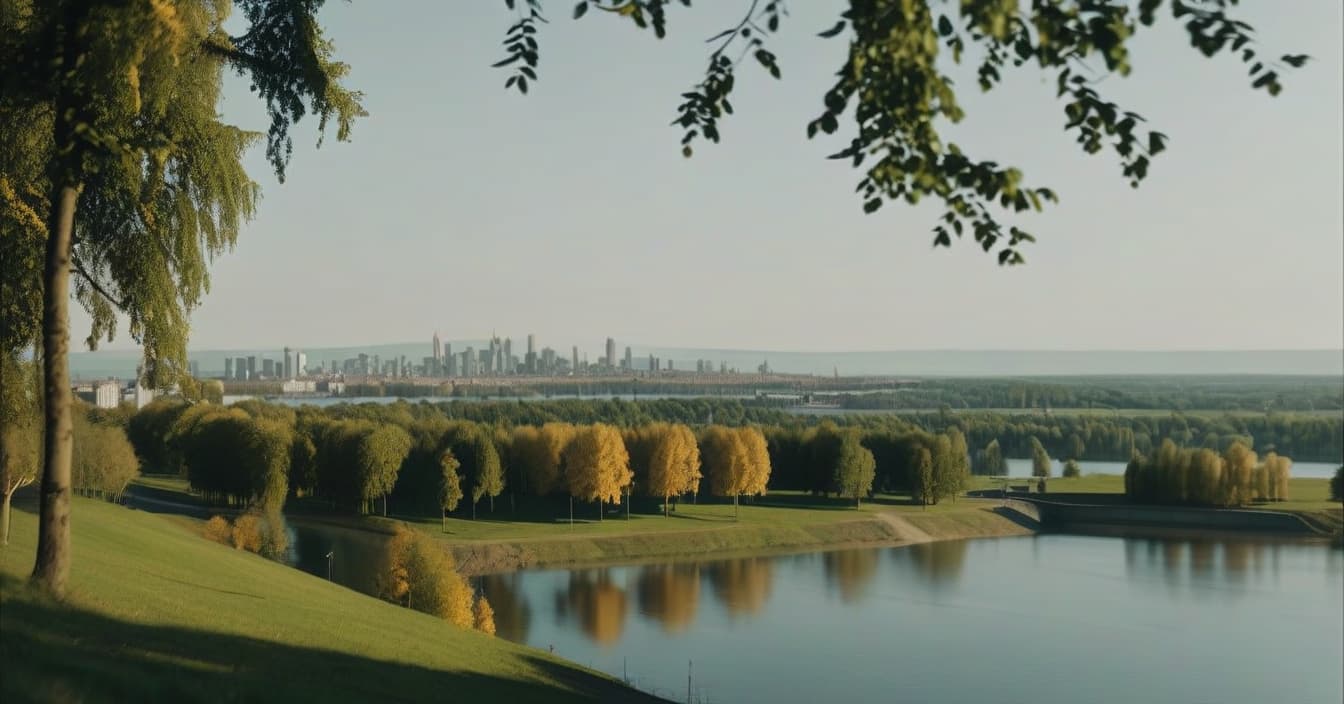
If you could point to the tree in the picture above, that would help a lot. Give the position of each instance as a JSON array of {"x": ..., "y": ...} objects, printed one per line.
[
  {"x": 417, "y": 573},
  {"x": 1071, "y": 469},
  {"x": 103, "y": 462},
  {"x": 1337, "y": 485},
  {"x": 854, "y": 469},
  {"x": 736, "y": 461},
  {"x": 537, "y": 451},
  {"x": 450, "y": 486},
  {"x": 990, "y": 460},
  {"x": 597, "y": 466},
  {"x": 128, "y": 178},
  {"x": 923, "y": 490},
  {"x": 479, "y": 459},
  {"x": 1040, "y": 459},
  {"x": 378, "y": 458},
  {"x": 674, "y": 461},
  {"x": 898, "y": 85},
  {"x": 1075, "y": 448},
  {"x": 20, "y": 428}
]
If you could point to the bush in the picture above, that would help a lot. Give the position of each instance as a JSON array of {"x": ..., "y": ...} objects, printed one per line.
[
  {"x": 418, "y": 573},
  {"x": 485, "y": 616},
  {"x": 1337, "y": 485},
  {"x": 219, "y": 530},
  {"x": 1072, "y": 470},
  {"x": 247, "y": 533}
]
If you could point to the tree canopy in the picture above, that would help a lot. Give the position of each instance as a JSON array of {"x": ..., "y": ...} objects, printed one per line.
[{"x": 897, "y": 86}]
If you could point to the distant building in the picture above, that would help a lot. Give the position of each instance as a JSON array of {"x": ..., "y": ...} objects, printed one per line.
[
  {"x": 611, "y": 353},
  {"x": 437, "y": 347},
  {"x": 228, "y": 367},
  {"x": 629, "y": 360},
  {"x": 574, "y": 362},
  {"x": 289, "y": 365},
  {"x": 252, "y": 367},
  {"x": 107, "y": 394},
  {"x": 300, "y": 363},
  {"x": 508, "y": 367},
  {"x": 240, "y": 368},
  {"x": 268, "y": 368}
]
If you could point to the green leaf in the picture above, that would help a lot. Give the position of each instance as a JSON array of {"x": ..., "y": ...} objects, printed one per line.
[
  {"x": 944, "y": 26},
  {"x": 833, "y": 31},
  {"x": 580, "y": 9},
  {"x": 871, "y": 206},
  {"x": 1295, "y": 60}
]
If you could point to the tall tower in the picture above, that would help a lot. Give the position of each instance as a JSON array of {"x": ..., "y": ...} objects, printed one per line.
[
  {"x": 438, "y": 348},
  {"x": 574, "y": 363},
  {"x": 289, "y": 364},
  {"x": 611, "y": 352},
  {"x": 629, "y": 360}
]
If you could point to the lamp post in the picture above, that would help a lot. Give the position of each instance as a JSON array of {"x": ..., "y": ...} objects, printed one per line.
[{"x": 329, "y": 556}]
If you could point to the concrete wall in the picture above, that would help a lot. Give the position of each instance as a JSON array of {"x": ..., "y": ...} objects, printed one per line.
[{"x": 1058, "y": 516}]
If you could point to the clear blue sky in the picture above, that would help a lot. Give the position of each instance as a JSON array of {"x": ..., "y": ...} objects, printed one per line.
[{"x": 570, "y": 213}]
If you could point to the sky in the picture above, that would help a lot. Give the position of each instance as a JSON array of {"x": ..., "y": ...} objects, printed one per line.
[{"x": 570, "y": 213}]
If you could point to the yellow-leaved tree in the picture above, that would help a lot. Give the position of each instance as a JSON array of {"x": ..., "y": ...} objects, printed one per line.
[
  {"x": 674, "y": 461},
  {"x": 596, "y": 466},
  {"x": 736, "y": 461}
]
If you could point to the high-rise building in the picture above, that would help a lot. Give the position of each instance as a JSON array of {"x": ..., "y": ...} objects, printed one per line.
[
  {"x": 611, "y": 353},
  {"x": 508, "y": 356},
  {"x": 437, "y": 346},
  {"x": 240, "y": 368},
  {"x": 574, "y": 364},
  {"x": 251, "y": 366},
  {"x": 629, "y": 362},
  {"x": 268, "y": 368},
  {"x": 228, "y": 367},
  {"x": 300, "y": 363},
  {"x": 289, "y": 364}
]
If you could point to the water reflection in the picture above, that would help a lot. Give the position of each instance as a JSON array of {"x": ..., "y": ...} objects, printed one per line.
[
  {"x": 1202, "y": 562},
  {"x": 513, "y": 615},
  {"x": 595, "y": 602},
  {"x": 742, "y": 586},
  {"x": 355, "y": 554},
  {"x": 850, "y": 572},
  {"x": 669, "y": 594},
  {"x": 937, "y": 564}
]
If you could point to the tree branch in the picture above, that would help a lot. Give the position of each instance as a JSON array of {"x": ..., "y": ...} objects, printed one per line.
[{"x": 121, "y": 304}]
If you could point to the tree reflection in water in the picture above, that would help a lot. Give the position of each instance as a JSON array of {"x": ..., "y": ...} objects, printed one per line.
[
  {"x": 513, "y": 615},
  {"x": 742, "y": 586},
  {"x": 595, "y": 602},
  {"x": 938, "y": 563},
  {"x": 669, "y": 594},
  {"x": 850, "y": 572},
  {"x": 1180, "y": 563}
]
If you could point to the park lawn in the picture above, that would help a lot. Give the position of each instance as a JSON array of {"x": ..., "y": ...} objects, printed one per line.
[{"x": 158, "y": 613}]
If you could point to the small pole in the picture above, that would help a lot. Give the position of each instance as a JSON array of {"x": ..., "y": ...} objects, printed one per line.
[
  {"x": 690, "y": 667},
  {"x": 329, "y": 555}
]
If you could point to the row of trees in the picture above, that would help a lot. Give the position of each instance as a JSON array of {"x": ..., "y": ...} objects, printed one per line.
[
  {"x": 1202, "y": 477},
  {"x": 1112, "y": 436}
]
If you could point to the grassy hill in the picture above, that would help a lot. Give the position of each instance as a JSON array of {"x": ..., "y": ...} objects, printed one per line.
[{"x": 156, "y": 613}]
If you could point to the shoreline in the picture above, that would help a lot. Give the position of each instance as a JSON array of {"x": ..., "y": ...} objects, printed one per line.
[{"x": 884, "y": 529}]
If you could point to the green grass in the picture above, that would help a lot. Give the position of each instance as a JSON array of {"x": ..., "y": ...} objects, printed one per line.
[{"x": 157, "y": 613}]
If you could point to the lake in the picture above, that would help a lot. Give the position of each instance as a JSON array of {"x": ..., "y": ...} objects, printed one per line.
[
  {"x": 1041, "y": 619},
  {"x": 1022, "y": 468}
]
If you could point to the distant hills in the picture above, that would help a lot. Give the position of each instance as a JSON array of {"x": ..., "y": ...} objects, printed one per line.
[{"x": 121, "y": 364}]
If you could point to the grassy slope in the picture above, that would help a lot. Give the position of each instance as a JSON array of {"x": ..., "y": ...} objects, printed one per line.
[{"x": 156, "y": 613}]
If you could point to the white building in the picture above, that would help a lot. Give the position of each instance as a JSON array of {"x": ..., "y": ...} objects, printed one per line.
[{"x": 107, "y": 394}]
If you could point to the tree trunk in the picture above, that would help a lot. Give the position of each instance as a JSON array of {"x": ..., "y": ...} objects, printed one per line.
[
  {"x": 53, "y": 528},
  {"x": 665, "y": 507},
  {"x": 473, "y": 508},
  {"x": 599, "y": 510},
  {"x": 734, "y": 507},
  {"x": 443, "y": 512},
  {"x": 4, "y": 518},
  {"x": 384, "y": 505},
  {"x": 571, "y": 510}
]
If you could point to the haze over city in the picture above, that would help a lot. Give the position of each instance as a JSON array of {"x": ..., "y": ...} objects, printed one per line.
[{"x": 571, "y": 214}]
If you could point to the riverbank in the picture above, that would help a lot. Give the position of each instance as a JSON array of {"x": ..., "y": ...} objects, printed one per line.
[{"x": 878, "y": 528}]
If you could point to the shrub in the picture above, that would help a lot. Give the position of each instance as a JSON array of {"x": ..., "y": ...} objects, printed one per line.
[
  {"x": 1337, "y": 485},
  {"x": 1072, "y": 470},
  {"x": 418, "y": 573},
  {"x": 485, "y": 616},
  {"x": 219, "y": 530},
  {"x": 247, "y": 532}
]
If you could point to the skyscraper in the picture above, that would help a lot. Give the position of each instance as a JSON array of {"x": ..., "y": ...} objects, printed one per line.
[
  {"x": 508, "y": 356},
  {"x": 300, "y": 363},
  {"x": 289, "y": 364},
  {"x": 611, "y": 352},
  {"x": 251, "y": 366},
  {"x": 530, "y": 361},
  {"x": 629, "y": 360},
  {"x": 228, "y": 367},
  {"x": 575, "y": 363},
  {"x": 240, "y": 368},
  {"x": 437, "y": 346}
]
